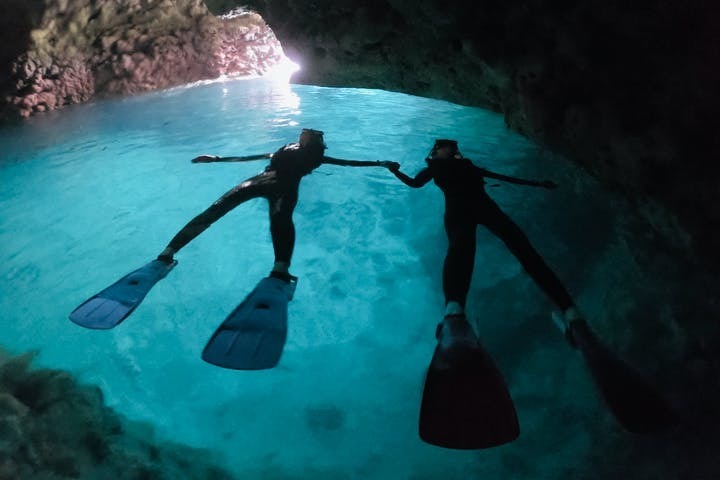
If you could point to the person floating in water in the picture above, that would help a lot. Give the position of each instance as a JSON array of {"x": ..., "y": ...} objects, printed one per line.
[
  {"x": 279, "y": 183},
  {"x": 466, "y": 403},
  {"x": 467, "y": 205}
]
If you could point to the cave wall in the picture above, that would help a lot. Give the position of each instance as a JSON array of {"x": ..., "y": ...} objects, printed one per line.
[
  {"x": 69, "y": 51},
  {"x": 627, "y": 89},
  {"x": 54, "y": 427}
]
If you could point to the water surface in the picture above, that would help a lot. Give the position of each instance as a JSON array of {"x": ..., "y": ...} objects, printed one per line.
[{"x": 94, "y": 191}]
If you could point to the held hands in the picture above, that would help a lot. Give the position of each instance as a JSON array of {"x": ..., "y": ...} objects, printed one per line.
[
  {"x": 205, "y": 159},
  {"x": 549, "y": 184},
  {"x": 392, "y": 166}
]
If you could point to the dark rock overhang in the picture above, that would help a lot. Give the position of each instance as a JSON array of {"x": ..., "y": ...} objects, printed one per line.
[{"x": 626, "y": 89}]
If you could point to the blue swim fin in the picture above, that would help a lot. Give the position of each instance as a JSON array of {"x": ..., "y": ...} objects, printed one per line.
[
  {"x": 252, "y": 337},
  {"x": 465, "y": 403},
  {"x": 112, "y": 305}
]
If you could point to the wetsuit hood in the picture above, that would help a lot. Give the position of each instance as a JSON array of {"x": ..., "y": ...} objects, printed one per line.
[{"x": 316, "y": 137}]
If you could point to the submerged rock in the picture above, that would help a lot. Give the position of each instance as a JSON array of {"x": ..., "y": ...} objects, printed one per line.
[{"x": 51, "y": 426}]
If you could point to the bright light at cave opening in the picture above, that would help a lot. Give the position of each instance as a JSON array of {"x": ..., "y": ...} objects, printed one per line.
[{"x": 283, "y": 70}]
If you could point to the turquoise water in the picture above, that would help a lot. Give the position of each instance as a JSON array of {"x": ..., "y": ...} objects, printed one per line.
[{"x": 94, "y": 191}]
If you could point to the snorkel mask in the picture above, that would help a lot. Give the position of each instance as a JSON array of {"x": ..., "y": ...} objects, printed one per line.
[
  {"x": 316, "y": 137},
  {"x": 444, "y": 142}
]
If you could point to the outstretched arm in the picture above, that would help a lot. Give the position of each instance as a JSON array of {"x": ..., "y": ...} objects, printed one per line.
[
  {"x": 422, "y": 177},
  {"x": 356, "y": 163},
  {"x": 518, "y": 181},
  {"x": 215, "y": 158}
]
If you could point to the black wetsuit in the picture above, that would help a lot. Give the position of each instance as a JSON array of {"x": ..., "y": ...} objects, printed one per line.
[
  {"x": 468, "y": 205},
  {"x": 279, "y": 183}
]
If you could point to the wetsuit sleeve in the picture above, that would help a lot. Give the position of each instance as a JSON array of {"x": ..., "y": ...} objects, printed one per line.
[
  {"x": 505, "y": 178},
  {"x": 215, "y": 158},
  {"x": 353, "y": 163},
  {"x": 422, "y": 177}
]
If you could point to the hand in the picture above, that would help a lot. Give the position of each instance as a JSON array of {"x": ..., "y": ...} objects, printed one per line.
[
  {"x": 205, "y": 159},
  {"x": 549, "y": 184},
  {"x": 392, "y": 166}
]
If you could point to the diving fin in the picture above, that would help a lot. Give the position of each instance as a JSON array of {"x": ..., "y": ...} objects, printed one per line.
[
  {"x": 113, "y": 304},
  {"x": 252, "y": 337},
  {"x": 637, "y": 406},
  {"x": 466, "y": 403}
]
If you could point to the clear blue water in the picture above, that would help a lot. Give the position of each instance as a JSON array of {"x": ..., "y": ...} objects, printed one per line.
[{"x": 94, "y": 191}]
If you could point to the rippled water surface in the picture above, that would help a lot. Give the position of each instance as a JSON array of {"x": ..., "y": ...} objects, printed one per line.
[{"x": 94, "y": 191}]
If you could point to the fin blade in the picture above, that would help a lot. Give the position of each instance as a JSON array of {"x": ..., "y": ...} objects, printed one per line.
[
  {"x": 466, "y": 403},
  {"x": 100, "y": 313},
  {"x": 637, "y": 406},
  {"x": 253, "y": 336},
  {"x": 111, "y": 306}
]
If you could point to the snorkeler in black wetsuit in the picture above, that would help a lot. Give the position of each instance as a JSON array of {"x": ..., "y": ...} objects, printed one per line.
[
  {"x": 279, "y": 183},
  {"x": 468, "y": 205},
  {"x": 466, "y": 403}
]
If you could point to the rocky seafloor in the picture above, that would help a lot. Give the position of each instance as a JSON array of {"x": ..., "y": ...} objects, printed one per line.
[{"x": 52, "y": 427}]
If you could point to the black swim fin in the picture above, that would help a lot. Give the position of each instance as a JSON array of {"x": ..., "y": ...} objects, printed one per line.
[
  {"x": 253, "y": 336},
  {"x": 113, "y": 304},
  {"x": 637, "y": 406},
  {"x": 465, "y": 403}
]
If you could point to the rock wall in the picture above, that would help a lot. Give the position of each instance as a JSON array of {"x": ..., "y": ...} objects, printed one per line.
[
  {"x": 52, "y": 427},
  {"x": 76, "y": 50},
  {"x": 627, "y": 89}
]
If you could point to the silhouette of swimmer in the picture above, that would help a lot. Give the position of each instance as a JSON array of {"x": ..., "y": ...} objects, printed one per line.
[
  {"x": 466, "y": 403},
  {"x": 279, "y": 183},
  {"x": 468, "y": 205}
]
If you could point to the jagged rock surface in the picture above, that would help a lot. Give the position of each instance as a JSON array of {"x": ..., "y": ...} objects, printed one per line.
[
  {"x": 627, "y": 89},
  {"x": 77, "y": 50},
  {"x": 53, "y": 427}
]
